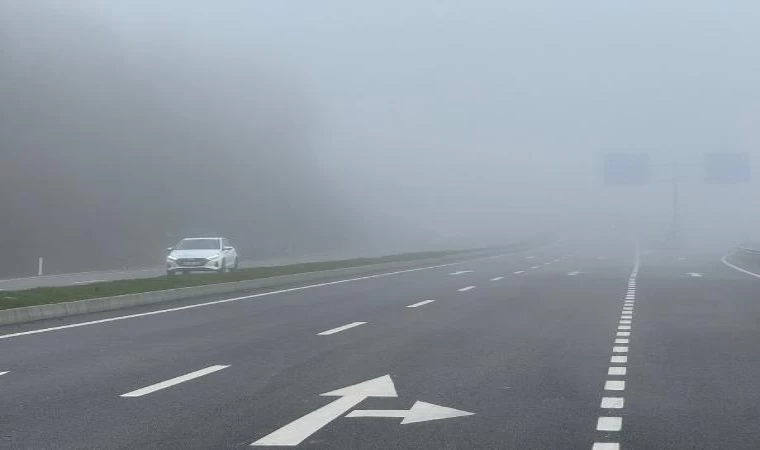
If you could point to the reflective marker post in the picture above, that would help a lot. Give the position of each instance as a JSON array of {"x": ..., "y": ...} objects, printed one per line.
[{"x": 39, "y": 266}]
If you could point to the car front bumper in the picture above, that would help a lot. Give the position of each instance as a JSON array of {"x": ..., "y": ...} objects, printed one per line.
[{"x": 207, "y": 266}]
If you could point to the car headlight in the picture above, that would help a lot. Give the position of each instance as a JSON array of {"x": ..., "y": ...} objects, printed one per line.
[{"x": 212, "y": 258}]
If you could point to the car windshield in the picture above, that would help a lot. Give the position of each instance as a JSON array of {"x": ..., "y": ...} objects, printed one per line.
[{"x": 199, "y": 244}]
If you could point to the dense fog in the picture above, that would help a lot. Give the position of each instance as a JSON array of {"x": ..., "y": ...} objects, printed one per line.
[{"x": 345, "y": 127}]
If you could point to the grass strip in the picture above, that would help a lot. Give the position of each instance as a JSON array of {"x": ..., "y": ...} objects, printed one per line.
[{"x": 60, "y": 294}]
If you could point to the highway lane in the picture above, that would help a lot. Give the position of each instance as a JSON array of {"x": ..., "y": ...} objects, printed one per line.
[
  {"x": 527, "y": 350},
  {"x": 696, "y": 356}
]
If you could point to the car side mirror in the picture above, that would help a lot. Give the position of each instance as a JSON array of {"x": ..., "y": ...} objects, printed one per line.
[{"x": 226, "y": 249}]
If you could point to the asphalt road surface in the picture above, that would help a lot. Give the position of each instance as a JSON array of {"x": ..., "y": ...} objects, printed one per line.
[{"x": 580, "y": 345}]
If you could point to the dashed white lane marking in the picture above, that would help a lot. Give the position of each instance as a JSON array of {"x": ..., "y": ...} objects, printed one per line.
[
  {"x": 610, "y": 424},
  {"x": 90, "y": 281},
  {"x": 607, "y": 423},
  {"x": 614, "y": 385},
  {"x": 228, "y": 300},
  {"x": 468, "y": 288},
  {"x": 519, "y": 272},
  {"x": 573, "y": 273},
  {"x": 174, "y": 381},
  {"x": 461, "y": 272},
  {"x": 416, "y": 305},
  {"x": 3, "y": 373},
  {"x": 530, "y": 257},
  {"x": 695, "y": 275},
  {"x": 606, "y": 446},
  {"x": 617, "y": 371},
  {"x": 735, "y": 267},
  {"x": 535, "y": 267},
  {"x": 497, "y": 279},
  {"x": 341, "y": 328},
  {"x": 612, "y": 402}
]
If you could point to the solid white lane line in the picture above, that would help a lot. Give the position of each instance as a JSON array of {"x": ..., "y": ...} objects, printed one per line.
[
  {"x": 618, "y": 359},
  {"x": 735, "y": 267},
  {"x": 617, "y": 371},
  {"x": 612, "y": 402},
  {"x": 218, "y": 302},
  {"x": 465, "y": 289},
  {"x": 614, "y": 385},
  {"x": 420, "y": 304},
  {"x": 341, "y": 328},
  {"x": 623, "y": 333},
  {"x": 609, "y": 424},
  {"x": 606, "y": 446},
  {"x": 519, "y": 272},
  {"x": 497, "y": 279},
  {"x": 174, "y": 381}
]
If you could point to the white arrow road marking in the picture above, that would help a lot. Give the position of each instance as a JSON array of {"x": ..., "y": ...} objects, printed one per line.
[
  {"x": 174, "y": 381},
  {"x": 420, "y": 304},
  {"x": 297, "y": 431},
  {"x": 695, "y": 275},
  {"x": 574, "y": 273},
  {"x": 460, "y": 272},
  {"x": 341, "y": 328},
  {"x": 419, "y": 412}
]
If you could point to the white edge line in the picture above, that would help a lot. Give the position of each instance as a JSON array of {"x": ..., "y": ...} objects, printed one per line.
[
  {"x": 340, "y": 328},
  {"x": 174, "y": 381},
  {"x": 725, "y": 261},
  {"x": 227, "y": 300},
  {"x": 420, "y": 303}
]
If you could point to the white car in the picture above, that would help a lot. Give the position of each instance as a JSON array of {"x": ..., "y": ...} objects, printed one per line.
[{"x": 209, "y": 254}]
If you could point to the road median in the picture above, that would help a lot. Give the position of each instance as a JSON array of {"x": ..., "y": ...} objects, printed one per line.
[{"x": 55, "y": 302}]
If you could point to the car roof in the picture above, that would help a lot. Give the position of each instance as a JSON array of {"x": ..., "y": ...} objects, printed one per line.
[{"x": 199, "y": 238}]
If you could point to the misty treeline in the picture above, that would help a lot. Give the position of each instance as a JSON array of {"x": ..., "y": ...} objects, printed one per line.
[{"x": 111, "y": 151}]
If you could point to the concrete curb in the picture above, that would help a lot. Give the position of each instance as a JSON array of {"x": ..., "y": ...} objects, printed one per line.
[{"x": 58, "y": 310}]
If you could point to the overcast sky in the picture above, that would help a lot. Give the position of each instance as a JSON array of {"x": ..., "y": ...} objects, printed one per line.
[{"x": 486, "y": 118}]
